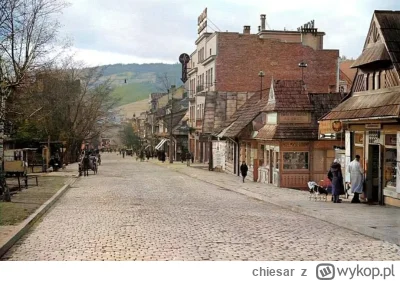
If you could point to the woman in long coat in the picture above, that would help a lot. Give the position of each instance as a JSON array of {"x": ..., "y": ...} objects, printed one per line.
[{"x": 336, "y": 177}]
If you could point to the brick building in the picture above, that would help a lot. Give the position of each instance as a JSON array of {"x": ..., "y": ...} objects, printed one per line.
[{"x": 230, "y": 62}]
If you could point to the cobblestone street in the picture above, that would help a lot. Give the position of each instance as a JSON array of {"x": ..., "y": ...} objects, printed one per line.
[{"x": 140, "y": 211}]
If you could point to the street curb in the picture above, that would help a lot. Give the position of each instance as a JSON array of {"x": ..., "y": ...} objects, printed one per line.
[
  {"x": 24, "y": 227},
  {"x": 368, "y": 231}
]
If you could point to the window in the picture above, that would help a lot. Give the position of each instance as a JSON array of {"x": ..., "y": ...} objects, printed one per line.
[
  {"x": 211, "y": 77},
  {"x": 295, "y": 160},
  {"x": 277, "y": 160},
  {"x": 210, "y": 51}
]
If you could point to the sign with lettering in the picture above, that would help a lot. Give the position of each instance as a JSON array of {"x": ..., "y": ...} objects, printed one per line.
[
  {"x": 376, "y": 126},
  {"x": 307, "y": 26},
  {"x": 202, "y": 21},
  {"x": 294, "y": 117},
  {"x": 295, "y": 144}
]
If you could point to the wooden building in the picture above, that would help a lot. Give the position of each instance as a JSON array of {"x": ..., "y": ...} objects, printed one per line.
[
  {"x": 371, "y": 113},
  {"x": 277, "y": 136}
]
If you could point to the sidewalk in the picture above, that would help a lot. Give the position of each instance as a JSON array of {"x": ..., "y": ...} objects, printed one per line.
[{"x": 380, "y": 222}]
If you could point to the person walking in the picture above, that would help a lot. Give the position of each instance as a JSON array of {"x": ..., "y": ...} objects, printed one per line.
[
  {"x": 244, "y": 169},
  {"x": 356, "y": 178},
  {"x": 336, "y": 177},
  {"x": 188, "y": 158}
]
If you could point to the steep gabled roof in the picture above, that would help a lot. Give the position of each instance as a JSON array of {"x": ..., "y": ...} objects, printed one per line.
[
  {"x": 287, "y": 95},
  {"x": 389, "y": 23},
  {"x": 383, "y": 40}
]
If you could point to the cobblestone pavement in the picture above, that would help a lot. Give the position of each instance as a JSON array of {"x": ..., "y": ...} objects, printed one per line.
[{"x": 140, "y": 211}]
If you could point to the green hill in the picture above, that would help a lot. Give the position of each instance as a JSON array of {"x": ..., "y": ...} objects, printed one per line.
[{"x": 134, "y": 82}]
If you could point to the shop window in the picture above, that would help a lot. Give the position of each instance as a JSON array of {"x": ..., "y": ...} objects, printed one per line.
[
  {"x": 267, "y": 158},
  {"x": 295, "y": 160},
  {"x": 277, "y": 160},
  {"x": 390, "y": 166}
]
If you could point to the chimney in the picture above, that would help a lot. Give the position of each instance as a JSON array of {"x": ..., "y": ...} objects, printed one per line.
[
  {"x": 246, "y": 29},
  {"x": 263, "y": 22}
]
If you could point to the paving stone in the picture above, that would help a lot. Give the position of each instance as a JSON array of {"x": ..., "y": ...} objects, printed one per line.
[{"x": 140, "y": 211}]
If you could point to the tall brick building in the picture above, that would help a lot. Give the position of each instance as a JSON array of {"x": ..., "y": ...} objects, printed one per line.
[{"x": 231, "y": 61}]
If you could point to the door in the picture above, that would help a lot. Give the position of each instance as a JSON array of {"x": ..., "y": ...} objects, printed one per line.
[{"x": 374, "y": 190}]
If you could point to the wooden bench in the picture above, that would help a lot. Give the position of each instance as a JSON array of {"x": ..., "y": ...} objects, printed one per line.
[{"x": 27, "y": 177}]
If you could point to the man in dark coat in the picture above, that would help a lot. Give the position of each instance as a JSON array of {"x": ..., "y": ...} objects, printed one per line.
[
  {"x": 244, "y": 169},
  {"x": 336, "y": 177}
]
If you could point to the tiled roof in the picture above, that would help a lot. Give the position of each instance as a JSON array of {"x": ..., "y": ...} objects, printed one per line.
[
  {"x": 375, "y": 103},
  {"x": 289, "y": 95},
  {"x": 269, "y": 132},
  {"x": 345, "y": 68},
  {"x": 244, "y": 115},
  {"x": 323, "y": 103}
]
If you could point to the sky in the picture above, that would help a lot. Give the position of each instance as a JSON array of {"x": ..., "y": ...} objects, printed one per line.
[{"x": 149, "y": 31}]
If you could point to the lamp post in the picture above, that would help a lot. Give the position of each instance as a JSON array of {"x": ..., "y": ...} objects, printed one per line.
[
  {"x": 170, "y": 124},
  {"x": 261, "y": 74},
  {"x": 302, "y": 65}
]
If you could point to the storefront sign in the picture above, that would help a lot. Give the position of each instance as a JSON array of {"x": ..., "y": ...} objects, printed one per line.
[
  {"x": 325, "y": 127},
  {"x": 373, "y": 126},
  {"x": 202, "y": 21},
  {"x": 337, "y": 126},
  {"x": 296, "y": 144},
  {"x": 294, "y": 117}
]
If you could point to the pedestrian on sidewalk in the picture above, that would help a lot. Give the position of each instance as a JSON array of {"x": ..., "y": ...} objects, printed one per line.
[
  {"x": 188, "y": 158},
  {"x": 244, "y": 169},
  {"x": 336, "y": 177},
  {"x": 356, "y": 178}
]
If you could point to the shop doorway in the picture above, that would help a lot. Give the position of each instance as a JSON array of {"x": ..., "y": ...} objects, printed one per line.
[{"x": 374, "y": 190}]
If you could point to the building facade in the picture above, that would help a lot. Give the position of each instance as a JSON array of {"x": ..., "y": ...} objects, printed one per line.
[
  {"x": 370, "y": 114},
  {"x": 230, "y": 62}
]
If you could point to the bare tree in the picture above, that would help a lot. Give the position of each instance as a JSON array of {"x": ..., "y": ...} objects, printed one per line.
[{"x": 28, "y": 35}]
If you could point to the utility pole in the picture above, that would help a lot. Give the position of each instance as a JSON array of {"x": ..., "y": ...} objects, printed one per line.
[{"x": 171, "y": 149}]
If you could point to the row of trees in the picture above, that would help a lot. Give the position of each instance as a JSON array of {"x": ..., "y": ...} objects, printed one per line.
[{"x": 41, "y": 96}]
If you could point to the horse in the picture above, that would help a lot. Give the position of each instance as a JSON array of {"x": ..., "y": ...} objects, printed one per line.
[{"x": 87, "y": 163}]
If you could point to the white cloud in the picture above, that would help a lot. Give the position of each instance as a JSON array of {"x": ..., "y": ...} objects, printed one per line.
[
  {"x": 95, "y": 58},
  {"x": 160, "y": 30}
]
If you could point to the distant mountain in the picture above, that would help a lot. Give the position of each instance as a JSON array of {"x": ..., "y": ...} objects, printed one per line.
[{"x": 134, "y": 82}]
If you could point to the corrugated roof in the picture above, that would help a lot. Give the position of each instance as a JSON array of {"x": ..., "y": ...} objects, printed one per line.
[
  {"x": 377, "y": 52},
  {"x": 376, "y": 103}
]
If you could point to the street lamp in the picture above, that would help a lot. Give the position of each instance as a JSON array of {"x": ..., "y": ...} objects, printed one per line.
[
  {"x": 302, "y": 65},
  {"x": 261, "y": 74},
  {"x": 170, "y": 131}
]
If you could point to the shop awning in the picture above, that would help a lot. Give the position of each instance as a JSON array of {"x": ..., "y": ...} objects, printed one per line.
[{"x": 161, "y": 143}]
